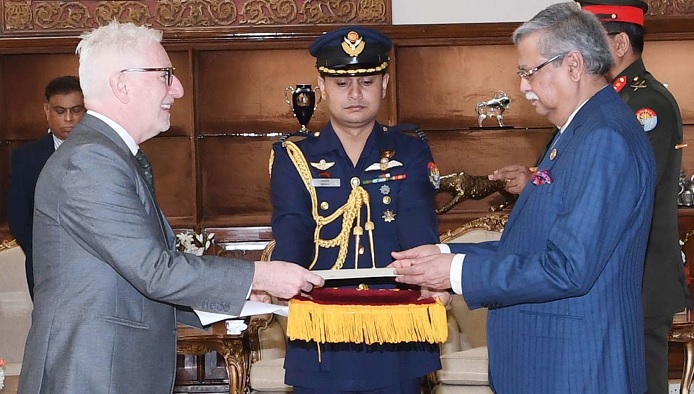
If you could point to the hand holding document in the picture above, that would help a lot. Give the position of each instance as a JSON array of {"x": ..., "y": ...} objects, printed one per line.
[{"x": 250, "y": 308}]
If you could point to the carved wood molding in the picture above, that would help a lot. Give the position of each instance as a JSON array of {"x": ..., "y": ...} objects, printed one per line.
[
  {"x": 670, "y": 7},
  {"x": 49, "y": 15}
]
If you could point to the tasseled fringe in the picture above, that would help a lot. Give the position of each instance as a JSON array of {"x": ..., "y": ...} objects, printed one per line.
[{"x": 369, "y": 324}]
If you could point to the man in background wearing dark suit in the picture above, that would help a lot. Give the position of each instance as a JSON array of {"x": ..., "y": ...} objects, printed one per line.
[{"x": 64, "y": 107}]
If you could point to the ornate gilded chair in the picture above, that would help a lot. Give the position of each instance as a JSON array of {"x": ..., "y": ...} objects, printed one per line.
[
  {"x": 268, "y": 346},
  {"x": 464, "y": 357}
]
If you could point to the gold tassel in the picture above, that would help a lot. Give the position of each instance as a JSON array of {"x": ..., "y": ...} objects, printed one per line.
[{"x": 369, "y": 324}]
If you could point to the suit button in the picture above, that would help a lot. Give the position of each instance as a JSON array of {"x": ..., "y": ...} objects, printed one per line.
[{"x": 324, "y": 205}]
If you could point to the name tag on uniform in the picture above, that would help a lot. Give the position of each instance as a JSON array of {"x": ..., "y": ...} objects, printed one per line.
[{"x": 325, "y": 182}]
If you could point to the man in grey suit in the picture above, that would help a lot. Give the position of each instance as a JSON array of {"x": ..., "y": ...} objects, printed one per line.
[{"x": 110, "y": 285}]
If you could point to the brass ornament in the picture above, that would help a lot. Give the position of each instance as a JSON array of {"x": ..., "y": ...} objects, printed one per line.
[{"x": 462, "y": 186}]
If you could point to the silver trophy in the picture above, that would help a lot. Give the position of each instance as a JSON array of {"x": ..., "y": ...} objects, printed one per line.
[{"x": 493, "y": 108}]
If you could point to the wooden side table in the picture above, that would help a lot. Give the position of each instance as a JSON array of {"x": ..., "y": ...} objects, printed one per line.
[
  {"x": 235, "y": 349},
  {"x": 684, "y": 333}
]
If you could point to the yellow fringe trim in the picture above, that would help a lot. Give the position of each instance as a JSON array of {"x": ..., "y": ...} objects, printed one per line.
[{"x": 369, "y": 324}]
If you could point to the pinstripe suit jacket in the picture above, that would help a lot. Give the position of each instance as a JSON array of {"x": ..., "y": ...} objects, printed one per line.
[
  {"x": 563, "y": 284},
  {"x": 109, "y": 284}
]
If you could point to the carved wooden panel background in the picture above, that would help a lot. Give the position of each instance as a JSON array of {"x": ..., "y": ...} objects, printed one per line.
[{"x": 49, "y": 15}]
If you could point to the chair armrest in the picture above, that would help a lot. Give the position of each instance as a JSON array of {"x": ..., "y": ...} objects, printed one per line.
[{"x": 267, "y": 338}]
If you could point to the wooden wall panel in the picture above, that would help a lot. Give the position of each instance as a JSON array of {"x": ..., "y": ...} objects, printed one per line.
[
  {"x": 235, "y": 180},
  {"x": 182, "y": 114},
  {"x": 439, "y": 86},
  {"x": 241, "y": 91},
  {"x": 671, "y": 63},
  {"x": 173, "y": 164},
  {"x": 25, "y": 77},
  {"x": 688, "y": 152},
  {"x": 4, "y": 180}
]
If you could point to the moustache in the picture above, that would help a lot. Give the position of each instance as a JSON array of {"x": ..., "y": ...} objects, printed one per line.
[{"x": 530, "y": 96}]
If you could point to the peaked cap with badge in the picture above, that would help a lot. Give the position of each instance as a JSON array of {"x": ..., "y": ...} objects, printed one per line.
[{"x": 351, "y": 51}]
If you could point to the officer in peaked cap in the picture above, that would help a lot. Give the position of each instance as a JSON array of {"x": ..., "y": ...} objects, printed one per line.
[
  {"x": 664, "y": 288},
  {"x": 354, "y": 153}
]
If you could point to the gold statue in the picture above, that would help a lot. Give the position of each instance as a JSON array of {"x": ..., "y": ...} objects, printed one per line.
[{"x": 463, "y": 186}]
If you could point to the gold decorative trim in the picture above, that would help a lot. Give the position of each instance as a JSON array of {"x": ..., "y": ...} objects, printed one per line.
[
  {"x": 189, "y": 13},
  {"x": 86, "y": 14},
  {"x": 8, "y": 244},
  {"x": 123, "y": 11},
  {"x": 328, "y": 11},
  {"x": 268, "y": 12},
  {"x": 18, "y": 15},
  {"x": 670, "y": 7},
  {"x": 491, "y": 222},
  {"x": 360, "y": 71},
  {"x": 61, "y": 15}
]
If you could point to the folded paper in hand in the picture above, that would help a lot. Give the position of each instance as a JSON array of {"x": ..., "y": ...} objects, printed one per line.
[{"x": 250, "y": 308}]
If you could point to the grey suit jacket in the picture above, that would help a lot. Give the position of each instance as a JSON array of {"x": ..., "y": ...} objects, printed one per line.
[{"x": 109, "y": 284}]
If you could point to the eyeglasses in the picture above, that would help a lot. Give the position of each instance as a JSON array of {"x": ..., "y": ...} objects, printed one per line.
[
  {"x": 169, "y": 72},
  {"x": 527, "y": 74}
]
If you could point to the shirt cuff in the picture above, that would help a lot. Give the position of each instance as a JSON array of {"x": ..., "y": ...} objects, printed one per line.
[
  {"x": 456, "y": 274},
  {"x": 444, "y": 248}
]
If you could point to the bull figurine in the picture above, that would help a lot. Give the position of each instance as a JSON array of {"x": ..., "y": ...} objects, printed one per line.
[
  {"x": 463, "y": 186},
  {"x": 493, "y": 108}
]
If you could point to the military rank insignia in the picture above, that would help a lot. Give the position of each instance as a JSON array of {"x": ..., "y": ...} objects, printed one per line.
[
  {"x": 619, "y": 83},
  {"x": 648, "y": 118},
  {"x": 434, "y": 175}
]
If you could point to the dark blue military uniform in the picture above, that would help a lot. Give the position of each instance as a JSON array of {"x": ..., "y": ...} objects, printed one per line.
[{"x": 402, "y": 209}]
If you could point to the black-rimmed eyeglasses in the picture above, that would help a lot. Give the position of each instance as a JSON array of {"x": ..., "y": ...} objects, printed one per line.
[
  {"x": 527, "y": 74},
  {"x": 168, "y": 72}
]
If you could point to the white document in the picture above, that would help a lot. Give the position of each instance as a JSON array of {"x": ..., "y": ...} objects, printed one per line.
[
  {"x": 356, "y": 273},
  {"x": 250, "y": 308}
]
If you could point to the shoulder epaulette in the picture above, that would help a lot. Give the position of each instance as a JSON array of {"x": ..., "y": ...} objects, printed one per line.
[
  {"x": 408, "y": 128},
  {"x": 284, "y": 137}
]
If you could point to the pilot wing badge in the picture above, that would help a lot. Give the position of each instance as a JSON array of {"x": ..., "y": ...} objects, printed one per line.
[{"x": 322, "y": 165}]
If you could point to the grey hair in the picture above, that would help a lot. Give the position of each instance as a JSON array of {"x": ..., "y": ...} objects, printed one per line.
[
  {"x": 565, "y": 28},
  {"x": 109, "y": 49}
]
